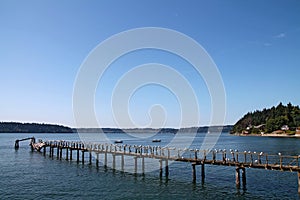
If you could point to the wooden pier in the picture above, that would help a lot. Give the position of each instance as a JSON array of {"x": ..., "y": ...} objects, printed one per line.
[{"x": 239, "y": 160}]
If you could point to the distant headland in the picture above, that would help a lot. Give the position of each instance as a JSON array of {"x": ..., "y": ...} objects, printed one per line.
[
  {"x": 17, "y": 127},
  {"x": 279, "y": 121}
]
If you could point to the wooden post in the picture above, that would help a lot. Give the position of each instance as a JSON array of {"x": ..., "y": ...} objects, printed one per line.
[
  {"x": 67, "y": 153},
  {"x": 97, "y": 159},
  {"x": 52, "y": 152},
  {"x": 60, "y": 153},
  {"x": 105, "y": 159},
  {"x": 122, "y": 163},
  {"x": 167, "y": 168},
  {"x": 244, "y": 177},
  {"x": 82, "y": 154},
  {"x": 237, "y": 178},
  {"x": 44, "y": 152},
  {"x": 143, "y": 165},
  {"x": 71, "y": 153},
  {"x": 17, "y": 145},
  {"x": 203, "y": 172},
  {"x": 135, "y": 165},
  {"x": 90, "y": 157},
  {"x": 77, "y": 155},
  {"x": 114, "y": 162},
  {"x": 194, "y": 172},
  {"x": 160, "y": 169},
  {"x": 298, "y": 181},
  {"x": 57, "y": 152}
]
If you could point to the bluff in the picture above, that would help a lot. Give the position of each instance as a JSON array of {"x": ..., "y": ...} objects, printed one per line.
[{"x": 284, "y": 118}]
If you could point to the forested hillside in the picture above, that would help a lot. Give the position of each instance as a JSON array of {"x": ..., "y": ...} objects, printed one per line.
[
  {"x": 16, "y": 127},
  {"x": 268, "y": 120}
]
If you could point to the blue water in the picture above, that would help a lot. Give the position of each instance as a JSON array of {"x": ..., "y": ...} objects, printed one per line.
[{"x": 30, "y": 175}]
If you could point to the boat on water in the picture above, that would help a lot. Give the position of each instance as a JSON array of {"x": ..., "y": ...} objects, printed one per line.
[
  {"x": 156, "y": 140},
  {"x": 118, "y": 141}
]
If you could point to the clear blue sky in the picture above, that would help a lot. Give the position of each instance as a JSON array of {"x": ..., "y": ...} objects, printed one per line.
[{"x": 255, "y": 44}]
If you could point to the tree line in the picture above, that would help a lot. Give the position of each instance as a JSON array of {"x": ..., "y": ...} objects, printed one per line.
[
  {"x": 16, "y": 127},
  {"x": 269, "y": 120}
]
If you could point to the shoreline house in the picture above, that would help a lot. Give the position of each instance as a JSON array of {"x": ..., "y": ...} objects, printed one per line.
[
  {"x": 298, "y": 131},
  {"x": 285, "y": 128}
]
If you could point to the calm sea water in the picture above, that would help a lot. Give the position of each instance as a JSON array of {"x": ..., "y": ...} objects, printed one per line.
[{"x": 30, "y": 175}]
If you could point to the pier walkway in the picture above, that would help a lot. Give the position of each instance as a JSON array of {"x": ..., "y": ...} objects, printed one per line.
[{"x": 240, "y": 160}]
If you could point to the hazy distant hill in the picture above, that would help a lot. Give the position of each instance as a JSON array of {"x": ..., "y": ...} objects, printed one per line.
[
  {"x": 203, "y": 129},
  {"x": 16, "y": 127}
]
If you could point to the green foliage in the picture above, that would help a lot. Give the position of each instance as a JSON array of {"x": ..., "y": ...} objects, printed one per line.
[{"x": 269, "y": 120}]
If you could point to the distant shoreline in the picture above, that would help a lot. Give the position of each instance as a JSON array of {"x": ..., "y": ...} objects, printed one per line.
[
  {"x": 268, "y": 135},
  {"x": 17, "y": 127}
]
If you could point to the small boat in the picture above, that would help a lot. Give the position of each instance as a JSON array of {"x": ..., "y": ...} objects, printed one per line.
[
  {"x": 118, "y": 141},
  {"x": 156, "y": 140}
]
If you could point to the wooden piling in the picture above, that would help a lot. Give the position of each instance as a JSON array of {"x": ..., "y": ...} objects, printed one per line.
[
  {"x": 82, "y": 155},
  {"x": 122, "y": 163},
  {"x": 244, "y": 177},
  {"x": 52, "y": 152},
  {"x": 67, "y": 153},
  {"x": 160, "y": 168},
  {"x": 194, "y": 172},
  {"x": 60, "y": 153},
  {"x": 105, "y": 159},
  {"x": 71, "y": 155},
  {"x": 203, "y": 172},
  {"x": 135, "y": 165},
  {"x": 114, "y": 161},
  {"x": 97, "y": 159},
  {"x": 166, "y": 168},
  {"x": 44, "y": 152},
  {"x": 78, "y": 155},
  {"x": 237, "y": 178},
  {"x": 90, "y": 157},
  {"x": 298, "y": 173},
  {"x": 143, "y": 165},
  {"x": 57, "y": 152}
]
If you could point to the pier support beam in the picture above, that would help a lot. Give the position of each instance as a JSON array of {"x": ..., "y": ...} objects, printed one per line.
[
  {"x": 167, "y": 168},
  {"x": 60, "y": 153},
  {"x": 77, "y": 155},
  {"x": 160, "y": 169},
  {"x": 52, "y": 152},
  {"x": 114, "y": 162},
  {"x": 97, "y": 159},
  {"x": 244, "y": 177},
  {"x": 237, "y": 178},
  {"x": 57, "y": 152},
  {"x": 203, "y": 172},
  {"x": 90, "y": 158},
  {"x": 135, "y": 165},
  {"x": 82, "y": 155},
  {"x": 298, "y": 181},
  {"x": 194, "y": 172},
  {"x": 67, "y": 153},
  {"x": 122, "y": 163},
  {"x": 143, "y": 165},
  {"x": 105, "y": 160},
  {"x": 71, "y": 154},
  {"x": 44, "y": 152}
]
